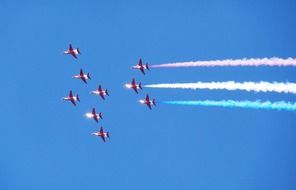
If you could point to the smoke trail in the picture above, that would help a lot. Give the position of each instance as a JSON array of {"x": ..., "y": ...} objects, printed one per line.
[
  {"x": 287, "y": 106},
  {"x": 232, "y": 85},
  {"x": 230, "y": 62}
]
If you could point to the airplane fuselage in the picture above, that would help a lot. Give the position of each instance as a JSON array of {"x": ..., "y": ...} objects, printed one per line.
[
  {"x": 80, "y": 77},
  {"x": 74, "y": 51},
  {"x": 146, "y": 102},
  {"x": 100, "y": 134},
  {"x": 103, "y": 92},
  {"x": 94, "y": 116},
  {"x": 132, "y": 86},
  {"x": 139, "y": 67},
  {"x": 70, "y": 98}
]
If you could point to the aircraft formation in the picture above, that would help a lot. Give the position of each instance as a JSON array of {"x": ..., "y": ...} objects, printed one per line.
[
  {"x": 230, "y": 85},
  {"x": 102, "y": 93},
  {"x": 133, "y": 85},
  {"x": 84, "y": 77}
]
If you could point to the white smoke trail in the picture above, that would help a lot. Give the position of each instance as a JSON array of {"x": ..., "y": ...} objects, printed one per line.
[
  {"x": 287, "y": 106},
  {"x": 232, "y": 85},
  {"x": 274, "y": 61}
]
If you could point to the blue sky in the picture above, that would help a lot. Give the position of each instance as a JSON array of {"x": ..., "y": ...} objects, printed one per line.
[{"x": 46, "y": 143}]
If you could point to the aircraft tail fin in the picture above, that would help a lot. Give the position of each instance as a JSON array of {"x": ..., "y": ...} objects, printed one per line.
[
  {"x": 77, "y": 97},
  {"x": 140, "y": 85},
  {"x": 108, "y": 135},
  {"x": 147, "y": 66},
  {"x": 100, "y": 115},
  {"x": 78, "y": 51},
  {"x": 88, "y": 76},
  {"x": 154, "y": 102},
  {"x": 107, "y": 93}
]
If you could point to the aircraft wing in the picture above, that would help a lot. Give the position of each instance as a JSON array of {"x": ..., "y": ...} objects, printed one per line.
[
  {"x": 133, "y": 82},
  {"x": 101, "y": 130},
  {"x": 100, "y": 88},
  {"x": 70, "y": 47},
  {"x": 84, "y": 80},
  {"x": 70, "y": 94},
  {"x": 103, "y": 138},
  {"x": 81, "y": 73},
  {"x": 135, "y": 89},
  {"x": 73, "y": 102},
  {"x": 102, "y": 96},
  {"x": 74, "y": 55},
  {"x": 140, "y": 62},
  {"x": 142, "y": 70},
  {"x": 149, "y": 106},
  {"x": 96, "y": 118},
  {"x": 147, "y": 98}
]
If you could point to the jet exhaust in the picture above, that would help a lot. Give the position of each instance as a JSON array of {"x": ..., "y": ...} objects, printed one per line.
[
  {"x": 232, "y": 85},
  {"x": 285, "y": 106},
  {"x": 89, "y": 115},
  {"x": 274, "y": 61},
  {"x": 128, "y": 86}
]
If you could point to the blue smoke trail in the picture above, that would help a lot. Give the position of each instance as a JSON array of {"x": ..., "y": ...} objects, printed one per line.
[{"x": 287, "y": 106}]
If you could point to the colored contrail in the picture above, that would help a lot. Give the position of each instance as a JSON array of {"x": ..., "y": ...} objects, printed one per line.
[
  {"x": 232, "y": 85},
  {"x": 274, "y": 61},
  {"x": 287, "y": 106}
]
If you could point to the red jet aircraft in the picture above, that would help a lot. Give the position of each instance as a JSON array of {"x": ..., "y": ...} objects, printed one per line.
[
  {"x": 148, "y": 102},
  {"x": 100, "y": 92},
  {"x": 134, "y": 86},
  {"x": 94, "y": 115},
  {"x": 72, "y": 98},
  {"x": 102, "y": 134},
  {"x": 73, "y": 52},
  {"x": 83, "y": 76},
  {"x": 141, "y": 66}
]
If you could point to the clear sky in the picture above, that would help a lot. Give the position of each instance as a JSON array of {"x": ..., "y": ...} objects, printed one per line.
[{"x": 46, "y": 142}]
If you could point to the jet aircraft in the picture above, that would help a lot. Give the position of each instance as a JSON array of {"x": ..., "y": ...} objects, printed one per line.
[
  {"x": 83, "y": 76},
  {"x": 141, "y": 67},
  {"x": 94, "y": 115},
  {"x": 100, "y": 92},
  {"x": 102, "y": 134},
  {"x": 134, "y": 86},
  {"x": 148, "y": 102},
  {"x": 72, "y": 98},
  {"x": 74, "y": 52}
]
